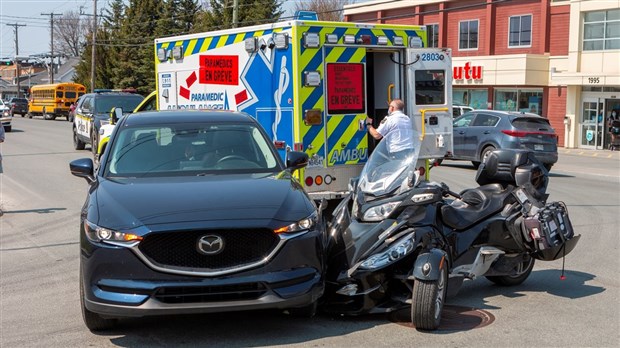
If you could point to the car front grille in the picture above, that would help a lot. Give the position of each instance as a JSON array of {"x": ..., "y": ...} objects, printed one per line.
[
  {"x": 202, "y": 294},
  {"x": 179, "y": 249}
]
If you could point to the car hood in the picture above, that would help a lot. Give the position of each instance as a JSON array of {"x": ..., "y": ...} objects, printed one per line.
[{"x": 217, "y": 200}]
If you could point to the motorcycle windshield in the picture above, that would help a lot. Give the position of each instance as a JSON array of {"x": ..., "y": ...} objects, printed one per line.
[{"x": 390, "y": 165}]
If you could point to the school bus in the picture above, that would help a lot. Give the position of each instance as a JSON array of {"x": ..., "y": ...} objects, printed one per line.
[{"x": 51, "y": 101}]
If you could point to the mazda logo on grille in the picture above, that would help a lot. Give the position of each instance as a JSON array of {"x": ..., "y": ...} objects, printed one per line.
[{"x": 210, "y": 244}]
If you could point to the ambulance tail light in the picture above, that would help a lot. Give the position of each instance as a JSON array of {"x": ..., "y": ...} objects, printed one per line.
[
  {"x": 298, "y": 146},
  {"x": 280, "y": 144}
]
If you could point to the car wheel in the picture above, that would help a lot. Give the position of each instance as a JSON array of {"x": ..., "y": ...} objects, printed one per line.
[
  {"x": 427, "y": 300},
  {"x": 29, "y": 115},
  {"x": 522, "y": 271},
  {"x": 93, "y": 321},
  {"x": 7, "y": 128},
  {"x": 77, "y": 143},
  {"x": 483, "y": 156}
]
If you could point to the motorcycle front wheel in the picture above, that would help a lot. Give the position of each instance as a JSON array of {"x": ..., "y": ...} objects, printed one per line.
[
  {"x": 427, "y": 300},
  {"x": 522, "y": 271}
]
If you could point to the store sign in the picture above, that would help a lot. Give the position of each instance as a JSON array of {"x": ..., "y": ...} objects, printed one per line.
[
  {"x": 345, "y": 88},
  {"x": 467, "y": 72}
]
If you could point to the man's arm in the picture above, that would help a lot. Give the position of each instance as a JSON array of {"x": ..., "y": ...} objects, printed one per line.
[{"x": 372, "y": 130}]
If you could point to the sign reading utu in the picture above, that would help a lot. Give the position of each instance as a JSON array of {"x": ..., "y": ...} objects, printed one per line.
[{"x": 467, "y": 72}]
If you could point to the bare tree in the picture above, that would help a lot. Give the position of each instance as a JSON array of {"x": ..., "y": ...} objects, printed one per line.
[
  {"x": 70, "y": 33},
  {"x": 328, "y": 10}
]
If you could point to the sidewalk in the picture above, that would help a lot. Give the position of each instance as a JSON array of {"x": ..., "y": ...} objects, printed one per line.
[{"x": 590, "y": 153}]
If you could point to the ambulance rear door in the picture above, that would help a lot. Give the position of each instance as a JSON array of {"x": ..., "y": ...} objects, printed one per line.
[{"x": 429, "y": 99}]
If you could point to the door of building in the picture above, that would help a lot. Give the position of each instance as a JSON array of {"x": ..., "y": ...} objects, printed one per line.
[{"x": 592, "y": 124}]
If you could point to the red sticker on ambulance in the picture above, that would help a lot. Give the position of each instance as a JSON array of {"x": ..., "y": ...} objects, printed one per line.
[
  {"x": 219, "y": 70},
  {"x": 345, "y": 88}
]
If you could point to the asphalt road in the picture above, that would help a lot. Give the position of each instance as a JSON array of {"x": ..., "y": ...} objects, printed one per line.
[{"x": 39, "y": 300}]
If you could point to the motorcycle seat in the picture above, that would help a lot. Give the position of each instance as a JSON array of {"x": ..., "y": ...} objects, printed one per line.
[{"x": 475, "y": 204}]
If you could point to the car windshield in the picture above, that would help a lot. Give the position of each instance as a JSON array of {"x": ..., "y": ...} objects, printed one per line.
[
  {"x": 386, "y": 171},
  {"x": 105, "y": 104},
  {"x": 190, "y": 149}
]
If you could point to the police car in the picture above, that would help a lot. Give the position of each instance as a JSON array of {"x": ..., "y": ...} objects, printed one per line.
[{"x": 93, "y": 111}]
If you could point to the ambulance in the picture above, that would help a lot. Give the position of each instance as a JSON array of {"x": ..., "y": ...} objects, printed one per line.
[{"x": 311, "y": 84}]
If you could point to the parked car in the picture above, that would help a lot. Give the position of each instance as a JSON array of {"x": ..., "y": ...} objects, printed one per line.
[
  {"x": 477, "y": 133},
  {"x": 458, "y": 110},
  {"x": 194, "y": 212},
  {"x": 19, "y": 106},
  {"x": 93, "y": 111},
  {"x": 5, "y": 116}
]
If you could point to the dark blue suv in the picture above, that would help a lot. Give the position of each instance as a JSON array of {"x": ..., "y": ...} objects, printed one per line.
[{"x": 194, "y": 212}]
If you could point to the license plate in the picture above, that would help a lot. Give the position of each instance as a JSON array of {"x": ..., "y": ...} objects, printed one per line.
[{"x": 539, "y": 147}]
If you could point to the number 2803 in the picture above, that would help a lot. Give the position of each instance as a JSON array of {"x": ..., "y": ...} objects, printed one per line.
[{"x": 431, "y": 57}]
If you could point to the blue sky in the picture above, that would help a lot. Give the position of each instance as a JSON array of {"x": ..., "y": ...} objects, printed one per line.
[{"x": 34, "y": 38}]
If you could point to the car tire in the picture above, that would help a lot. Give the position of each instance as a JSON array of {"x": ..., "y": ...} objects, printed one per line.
[
  {"x": 483, "y": 155},
  {"x": 93, "y": 321},
  {"x": 77, "y": 143},
  {"x": 29, "y": 115},
  {"x": 7, "y": 128},
  {"x": 523, "y": 271},
  {"x": 427, "y": 300}
]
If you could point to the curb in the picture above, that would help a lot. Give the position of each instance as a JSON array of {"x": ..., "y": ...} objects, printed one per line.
[{"x": 590, "y": 153}]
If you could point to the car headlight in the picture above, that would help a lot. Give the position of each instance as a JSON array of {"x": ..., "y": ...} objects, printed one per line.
[
  {"x": 96, "y": 233},
  {"x": 380, "y": 212},
  {"x": 301, "y": 225},
  {"x": 396, "y": 252}
]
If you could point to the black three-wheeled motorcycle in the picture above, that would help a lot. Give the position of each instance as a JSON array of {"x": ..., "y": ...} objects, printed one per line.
[{"x": 400, "y": 240}]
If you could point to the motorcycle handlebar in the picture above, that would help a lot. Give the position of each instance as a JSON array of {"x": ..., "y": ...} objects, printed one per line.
[{"x": 448, "y": 192}]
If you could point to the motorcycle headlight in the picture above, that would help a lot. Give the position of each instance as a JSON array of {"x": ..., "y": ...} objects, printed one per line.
[
  {"x": 380, "y": 212},
  {"x": 96, "y": 233},
  {"x": 301, "y": 225},
  {"x": 396, "y": 252}
]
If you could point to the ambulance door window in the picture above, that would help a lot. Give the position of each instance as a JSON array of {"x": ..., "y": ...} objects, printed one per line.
[{"x": 430, "y": 87}]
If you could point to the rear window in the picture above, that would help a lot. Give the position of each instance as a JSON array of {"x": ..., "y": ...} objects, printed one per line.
[
  {"x": 19, "y": 100},
  {"x": 532, "y": 124}
]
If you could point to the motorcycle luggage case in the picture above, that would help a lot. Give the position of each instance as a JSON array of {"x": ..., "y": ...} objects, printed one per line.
[{"x": 550, "y": 233}]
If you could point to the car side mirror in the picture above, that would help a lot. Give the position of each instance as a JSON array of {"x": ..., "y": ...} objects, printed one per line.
[
  {"x": 115, "y": 114},
  {"x": 83, "y": 168},
  {"x": 296, "y": 160}
]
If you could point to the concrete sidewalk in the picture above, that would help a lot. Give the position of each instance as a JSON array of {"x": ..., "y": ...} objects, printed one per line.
[{"x": 590, "y": 153}]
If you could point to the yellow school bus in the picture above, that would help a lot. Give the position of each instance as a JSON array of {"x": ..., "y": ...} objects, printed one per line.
[{"x": 51, "y": 101}]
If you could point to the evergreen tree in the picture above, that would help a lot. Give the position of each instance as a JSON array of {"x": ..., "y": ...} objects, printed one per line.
[
  {"x": 250, "y": 12},
  {"x": 136, "y": 66}
]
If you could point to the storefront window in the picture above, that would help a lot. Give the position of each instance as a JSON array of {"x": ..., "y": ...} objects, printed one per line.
[
  {"x": 525, "y": 100},
  {"x": 476, "y": 98}
]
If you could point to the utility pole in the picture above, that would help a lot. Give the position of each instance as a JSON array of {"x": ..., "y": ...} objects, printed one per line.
[
  {"x": 235, "y": 19},
  {"x": 52, "y": 41},
  {"x": 17, "y": 72},
  {"x": 94, "y": 50}
]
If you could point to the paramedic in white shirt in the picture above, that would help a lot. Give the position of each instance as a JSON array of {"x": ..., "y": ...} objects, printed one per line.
[{"x": 397, "y": 125}]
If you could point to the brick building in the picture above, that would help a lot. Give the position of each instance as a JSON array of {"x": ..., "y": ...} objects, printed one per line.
[{"x": 558, "y": 59}]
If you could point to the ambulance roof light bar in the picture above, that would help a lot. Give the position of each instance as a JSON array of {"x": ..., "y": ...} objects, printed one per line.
[{"x": 349, "y": 39}]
